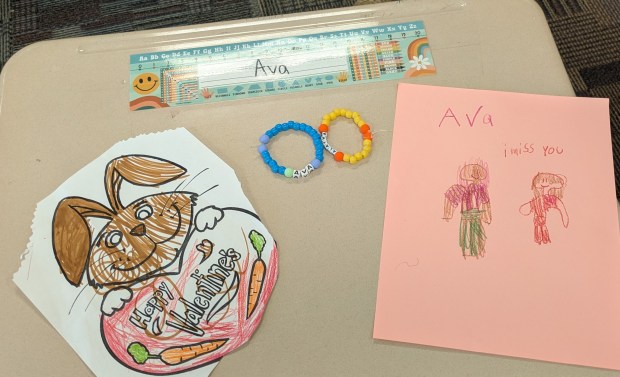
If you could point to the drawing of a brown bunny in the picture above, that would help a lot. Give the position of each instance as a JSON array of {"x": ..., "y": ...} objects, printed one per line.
[{"x": 141, "y": 240}]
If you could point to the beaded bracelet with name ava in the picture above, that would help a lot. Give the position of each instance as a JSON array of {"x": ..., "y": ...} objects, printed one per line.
[
  {"x": 289, "y": 172},
  {"x": 364, "y": 129}
]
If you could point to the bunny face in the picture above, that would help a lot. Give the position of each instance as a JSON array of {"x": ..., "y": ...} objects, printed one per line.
[
  {"x": 143, "y": 238},
  {"x": 138, "y": 240}
]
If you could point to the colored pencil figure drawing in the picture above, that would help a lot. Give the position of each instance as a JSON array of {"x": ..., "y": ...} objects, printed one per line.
[
  {"x": 548, "y": 189},
  {"x": 472, "y": 196},
  {"x": 154, "y": 262}
]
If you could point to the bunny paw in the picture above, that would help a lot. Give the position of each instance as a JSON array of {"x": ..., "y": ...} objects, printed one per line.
[
  {"x": 115, "y": 299},
  {"x": 208, "y": 217}
]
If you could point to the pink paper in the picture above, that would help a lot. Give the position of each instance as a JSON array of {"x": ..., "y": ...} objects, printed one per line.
[{"x": 540, "y": 277}]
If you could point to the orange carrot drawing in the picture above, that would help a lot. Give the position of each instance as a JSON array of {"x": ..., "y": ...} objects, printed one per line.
[
  {"x": 257, "y": 275},
  {"x": 174, "y": 355}
]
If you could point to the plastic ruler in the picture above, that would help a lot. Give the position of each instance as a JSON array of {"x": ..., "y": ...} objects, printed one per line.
[{"x": 281, "y": 65}]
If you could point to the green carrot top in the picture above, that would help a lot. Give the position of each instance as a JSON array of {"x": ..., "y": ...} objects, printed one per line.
[
  {"x": 258, "y": 242},
  {"x": 139, "y": 353}
]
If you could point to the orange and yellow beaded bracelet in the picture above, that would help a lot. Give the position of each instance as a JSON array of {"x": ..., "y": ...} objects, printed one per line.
[{"x": 364, "y": 129}]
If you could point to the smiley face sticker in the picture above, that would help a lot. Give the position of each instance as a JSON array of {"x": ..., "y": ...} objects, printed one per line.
[{"x": 145, "y": 83}]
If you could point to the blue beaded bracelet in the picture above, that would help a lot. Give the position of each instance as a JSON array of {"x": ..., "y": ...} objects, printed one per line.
[{"x": 288, "y": 172}]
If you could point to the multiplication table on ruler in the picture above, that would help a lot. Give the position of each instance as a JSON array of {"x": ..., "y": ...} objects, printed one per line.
[{"x": 282, "y": 65}]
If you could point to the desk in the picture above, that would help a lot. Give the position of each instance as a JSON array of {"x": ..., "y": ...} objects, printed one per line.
[{"x": 65, "y": 102}]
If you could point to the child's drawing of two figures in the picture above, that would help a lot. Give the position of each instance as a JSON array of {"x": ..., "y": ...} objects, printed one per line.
[{"x": 471, "y": 194}]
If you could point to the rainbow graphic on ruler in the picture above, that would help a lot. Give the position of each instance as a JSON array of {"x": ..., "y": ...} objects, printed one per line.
[
  {"x": 420, "y": 59},
  {"x": 278, "y": 66}
]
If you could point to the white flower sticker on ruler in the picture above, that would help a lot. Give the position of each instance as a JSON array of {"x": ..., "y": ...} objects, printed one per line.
[{"x": 420, "y": 62}]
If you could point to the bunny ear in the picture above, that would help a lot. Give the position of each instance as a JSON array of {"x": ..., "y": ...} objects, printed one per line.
[
  {"x": 139, "y": 170},
  {"x": 71, "y": 235}
]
